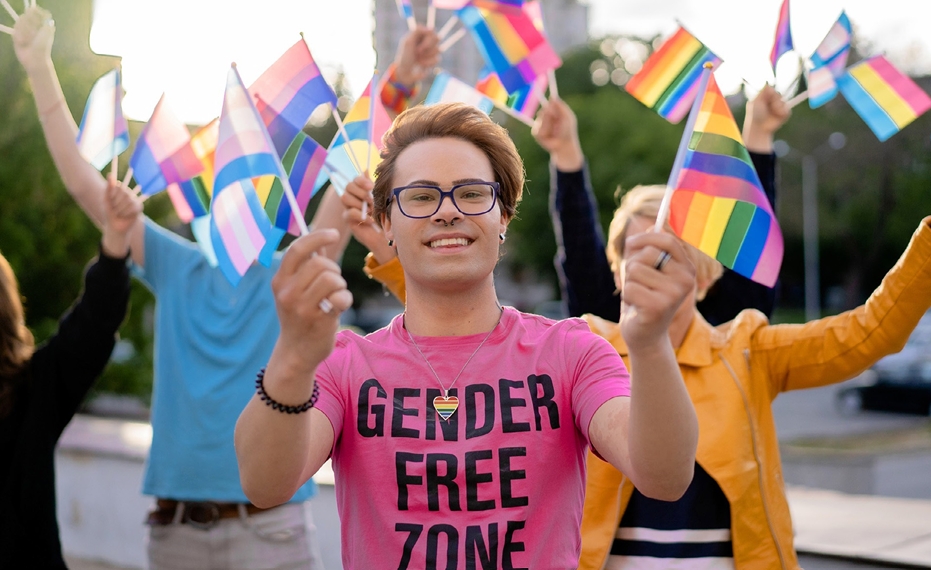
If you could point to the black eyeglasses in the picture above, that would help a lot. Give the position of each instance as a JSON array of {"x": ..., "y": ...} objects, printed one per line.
[{"x": 423, "y": 201}]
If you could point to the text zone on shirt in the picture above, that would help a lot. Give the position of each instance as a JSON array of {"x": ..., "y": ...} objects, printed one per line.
[{"x": 480, "y": 405}]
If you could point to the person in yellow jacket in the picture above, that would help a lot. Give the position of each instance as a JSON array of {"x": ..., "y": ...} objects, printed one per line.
[{"x": 735, "y": 513}]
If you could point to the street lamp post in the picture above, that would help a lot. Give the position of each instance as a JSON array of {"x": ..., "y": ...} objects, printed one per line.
[{"x": 810, "y": 231}]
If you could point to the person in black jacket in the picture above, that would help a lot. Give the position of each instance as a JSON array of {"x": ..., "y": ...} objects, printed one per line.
[
  {"x": 41, "y": 388},
  {"x": 586, "y": 279}
]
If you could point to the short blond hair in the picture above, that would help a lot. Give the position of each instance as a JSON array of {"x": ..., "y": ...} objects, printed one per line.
[{"x": 644, "y": 201}]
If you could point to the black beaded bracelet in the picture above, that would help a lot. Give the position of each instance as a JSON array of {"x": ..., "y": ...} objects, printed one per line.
[{"x": 260, "y": 390}]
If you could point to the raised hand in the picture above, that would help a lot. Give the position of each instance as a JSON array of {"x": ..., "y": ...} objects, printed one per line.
[
  {"x": 556, "y": 130},
  {"x": 123, "y": 209},
  {"x": 358, "y": 195},
  {"x": 766, "y": 113},
  {"x": 310, "y": 293},
  {"x": 417, "y": 55},
  {"x": 654, "y": 286},
  {"x": 33, "y": 35}
]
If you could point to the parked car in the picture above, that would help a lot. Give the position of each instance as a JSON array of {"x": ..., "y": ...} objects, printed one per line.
[{"x": 900, "y": 382}]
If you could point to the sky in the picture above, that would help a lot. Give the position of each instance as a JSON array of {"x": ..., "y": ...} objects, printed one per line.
[{"x": 184, "y": 48}]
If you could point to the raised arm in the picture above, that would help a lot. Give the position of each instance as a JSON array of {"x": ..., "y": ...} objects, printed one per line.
[
  {"x": 32, "y": 40},
  {"x": 585, "y": 277},
  {"x": 732, "y": 293},
  {"x": 277, "y": 452},
  {"x": 417, "y": 54},
  {"x": 78, "y": 352},
  {"x": 652, "y": 437}
]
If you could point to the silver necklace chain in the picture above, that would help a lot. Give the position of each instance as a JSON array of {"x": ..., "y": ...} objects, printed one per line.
[{"x": 461, "y": 370}]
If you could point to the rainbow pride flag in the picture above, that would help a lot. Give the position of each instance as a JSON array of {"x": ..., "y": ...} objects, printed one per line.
[
  {"x": 366, "y": 123},
  {"x": 103, "y": 133},
  {"x": 668, "y": 81},
  {"x": 163, "y": 153},
  {"x": 191, "y": 198},
  {"x": 448, "y": 89},
  {"x": 782, "y": 43},
  {"x": 506, "y": 6},
  {"x": 302, "y": 161},
  {"x": 718, "y": 204},
  {"x": 522, "y": 104},
  {"x": 829, "y": 62},
  {"x": 239, "y": 228},
  {"x": 511, "y": 45},
  {"x": 884, "y": 97},
  {"x": 288, "y": 92}
]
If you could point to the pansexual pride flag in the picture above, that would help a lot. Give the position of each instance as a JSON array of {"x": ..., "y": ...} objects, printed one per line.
[
  {"x": 829, "y": 62},
  {"x": 288, "y": 93},
  {"x": 366, "y": 123},
  {"x": 302, "y": 161},
  {"x": 103, "y": 133},
  {"x": 718, "y": 204},
  {"x": 668, "y": 81},
  {"x": 783, "y": 40},
  {"x": 448, "y": 89},
  {"x": 163, "y": 153},
  {"x": 239, "y": 229},
  {"x": 511, "y": 45},
  {"x": 885, "y": 98},
  {"x": 191, "y": 198}
]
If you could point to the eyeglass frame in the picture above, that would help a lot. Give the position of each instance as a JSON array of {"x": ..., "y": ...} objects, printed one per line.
[{"x": 495, "y": 194}]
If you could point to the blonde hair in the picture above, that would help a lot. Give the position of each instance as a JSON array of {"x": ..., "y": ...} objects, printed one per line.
[{"x": 644, "y": 201}]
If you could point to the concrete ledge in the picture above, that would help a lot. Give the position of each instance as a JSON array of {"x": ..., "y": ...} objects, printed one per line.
[{"x": 861, "y": 527}]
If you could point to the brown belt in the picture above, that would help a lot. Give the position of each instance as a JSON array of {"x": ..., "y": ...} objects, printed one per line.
[{"x": 203, "y": 514}]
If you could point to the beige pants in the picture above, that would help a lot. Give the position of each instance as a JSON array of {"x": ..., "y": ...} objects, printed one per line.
[{"x": 281, "y": 538}]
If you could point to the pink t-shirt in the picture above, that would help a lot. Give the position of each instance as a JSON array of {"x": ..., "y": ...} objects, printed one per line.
[{"x": 500, "y": 484}]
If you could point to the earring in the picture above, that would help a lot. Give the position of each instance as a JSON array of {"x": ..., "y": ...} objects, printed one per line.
[
  {"x": 390, "y": 243},
  {"x": 501, "y": 237}
]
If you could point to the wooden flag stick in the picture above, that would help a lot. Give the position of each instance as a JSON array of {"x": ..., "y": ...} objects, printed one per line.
[
  {"x": 128, "y": 177},
  {"x": 447, "y": 27},
  {"x": 797, "y": 99},
  {"x": 683, "y": 147},
  {"x": 431, "y": 16},
  {"x": 342, "y": 130},
  {"x": 451, "y": 40},
  {"x": 6, "y": 29},
  {"x": 9, "y": 10},
  {"x": 554, "y": 91}
]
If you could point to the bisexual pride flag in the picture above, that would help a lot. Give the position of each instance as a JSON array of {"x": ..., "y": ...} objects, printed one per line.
[
  {"x": 782, "y": 43},
  {"x": 163, "y": 153},
  {"x": 288, "y": 92}
]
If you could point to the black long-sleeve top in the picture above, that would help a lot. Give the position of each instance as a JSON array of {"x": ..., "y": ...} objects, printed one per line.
[
  {"x": 56, "y": 380},
  {"x": 585, "y": 276}
]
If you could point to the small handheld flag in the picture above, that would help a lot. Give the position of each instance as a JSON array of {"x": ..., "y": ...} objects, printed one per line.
[
  {"x": 718, "y": 204},
  {"x": 885, "y": 98},
  {"x": 668, "y": 81},
  {"x": 104, "y": 133},
  {"x": 783, "y": 40},
  {"x": 828, "y": 63},
  {"x": 163, "y": 153}
]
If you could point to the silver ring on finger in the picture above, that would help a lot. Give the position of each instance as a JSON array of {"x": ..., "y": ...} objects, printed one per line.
[
  {"x": 325, "y": 305},
  {"x": 662, "y": 260}
]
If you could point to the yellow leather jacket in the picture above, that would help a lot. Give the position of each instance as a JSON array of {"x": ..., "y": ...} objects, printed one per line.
[{"x": 733, "y": 372}]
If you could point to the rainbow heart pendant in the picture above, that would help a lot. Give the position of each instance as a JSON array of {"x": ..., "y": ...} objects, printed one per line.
[{"x": 445, "y": 406}]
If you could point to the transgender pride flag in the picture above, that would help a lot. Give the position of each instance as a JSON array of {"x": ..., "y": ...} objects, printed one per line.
[
  {"x": 104, "y": 133},
  {"x": 163, "y": 153},
  {"x": 239, "y": 229},
  {"x": 288, "y": 93},
  {"x": 829, "y": 62}
]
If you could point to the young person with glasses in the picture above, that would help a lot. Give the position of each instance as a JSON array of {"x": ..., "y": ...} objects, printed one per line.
[{"x": 458, "y": 432}]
